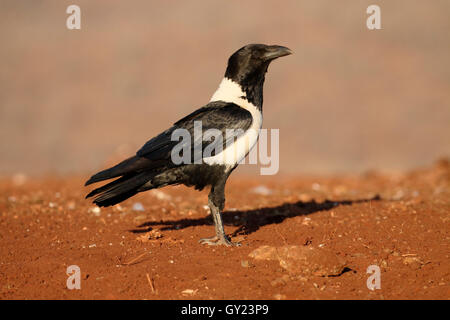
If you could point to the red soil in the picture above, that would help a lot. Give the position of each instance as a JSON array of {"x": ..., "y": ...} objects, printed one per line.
[{"x": 400, "y": 222}]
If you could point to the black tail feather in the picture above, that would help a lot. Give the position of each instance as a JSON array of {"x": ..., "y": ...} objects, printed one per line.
[
  {"x": 108, "y": 186},
  {"x": 120, "y": 189},
  {"x": 130, "y": 165},
  {"x": 112, "y": 200}
]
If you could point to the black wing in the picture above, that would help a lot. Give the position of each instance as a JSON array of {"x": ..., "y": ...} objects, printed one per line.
[
  {"x": 156, "y": 153},
  {"x": 218, "y": 115}
]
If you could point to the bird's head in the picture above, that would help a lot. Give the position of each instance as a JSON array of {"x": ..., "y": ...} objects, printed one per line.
[{"x": 249, "y": 64}]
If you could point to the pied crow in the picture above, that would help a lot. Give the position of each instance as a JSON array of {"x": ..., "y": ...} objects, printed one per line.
[{"x": 235, "y": 106}]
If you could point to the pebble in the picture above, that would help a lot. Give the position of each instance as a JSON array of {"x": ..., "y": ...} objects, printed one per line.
[
  {"x": 71, "y": 205},
  {"x": 245, "y": 264},
  {"x": 398, "y": 195},
  {"x": 189, "y": 292},
  {"x": 279, "y": 296},
  {"x": 262, "y": 190},
  {"x": 95, "y": 210},
  {"x": 161, "y": 195},
  {"x": 138, "y": 206},
  {"x": 301, "y": 260},
  {"x": 280, "y": 281}
]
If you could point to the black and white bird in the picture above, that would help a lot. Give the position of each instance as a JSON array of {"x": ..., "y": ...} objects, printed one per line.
[{"x": 236, "y": 105}]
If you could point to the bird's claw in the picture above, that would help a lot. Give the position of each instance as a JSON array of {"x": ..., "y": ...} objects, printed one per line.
[{"x": 216, "y": 240}]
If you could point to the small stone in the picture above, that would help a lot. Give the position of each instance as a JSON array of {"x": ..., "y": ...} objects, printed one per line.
[
  {"x": 138, "y": 206},
  {"x": 246, "y": 264},
  {"x": 262, "y": 190},
  {"x": 140, "y": 217},
  {"x": 95, "y": 210},
  {"x": 398, "y": 195},
  {"x": 160, "y": 195},
  {"x": 315, "y": 186},
  {"x": 151, "y": 235},
  {"x": 264, "y": 253},
  {"x": 71, "y": 205},
  {"x": 302, "y": 260},
  {"x": 189, "y": 292},
  {"x": 413, "y": 262},
  {"x": 280, "y": 281}
]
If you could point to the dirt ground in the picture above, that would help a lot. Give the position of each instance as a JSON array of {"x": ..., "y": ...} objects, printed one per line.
[{"x": 147, "y": 248}]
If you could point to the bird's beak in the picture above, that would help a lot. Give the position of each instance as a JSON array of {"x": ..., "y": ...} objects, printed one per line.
[{"x": 273, "y": 52}]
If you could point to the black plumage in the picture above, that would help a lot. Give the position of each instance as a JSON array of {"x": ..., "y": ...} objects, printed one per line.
[{"x": 238, "y": 107}]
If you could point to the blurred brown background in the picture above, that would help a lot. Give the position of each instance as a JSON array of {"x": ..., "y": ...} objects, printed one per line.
[{"x": 348, "y": 100}]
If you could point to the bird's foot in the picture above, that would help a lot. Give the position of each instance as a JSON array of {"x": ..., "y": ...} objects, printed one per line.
[{"x": 216, "y": 240}]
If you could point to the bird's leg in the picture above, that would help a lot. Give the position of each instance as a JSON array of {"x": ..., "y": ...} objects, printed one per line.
[{"x": 216, "y": 202}]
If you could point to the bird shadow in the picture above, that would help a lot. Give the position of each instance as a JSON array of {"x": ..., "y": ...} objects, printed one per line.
[{"x": 249, "y": 221}]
